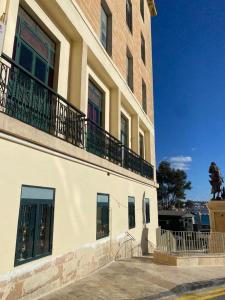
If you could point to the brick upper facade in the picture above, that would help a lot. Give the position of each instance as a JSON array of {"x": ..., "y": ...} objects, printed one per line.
[{"x": 123, "y": 38}]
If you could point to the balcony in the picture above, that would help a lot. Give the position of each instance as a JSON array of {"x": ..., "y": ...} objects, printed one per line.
[{"x": 27, "y": 99}]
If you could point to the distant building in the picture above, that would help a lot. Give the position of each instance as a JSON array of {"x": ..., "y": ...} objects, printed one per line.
[
  {"x": 176, "y": 220},
  {"x": 201, "y": 213}
]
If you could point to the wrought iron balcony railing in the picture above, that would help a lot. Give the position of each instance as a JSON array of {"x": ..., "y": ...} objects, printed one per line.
[
  {"x": 24, "y": 97},
  {"x": 102, "y": 143},
  {"x": 134, "y": 162},
  {"x": 27, "y": 99}
]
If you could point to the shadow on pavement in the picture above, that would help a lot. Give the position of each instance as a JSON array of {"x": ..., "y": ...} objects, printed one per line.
[{"x": 186, "y": 287}]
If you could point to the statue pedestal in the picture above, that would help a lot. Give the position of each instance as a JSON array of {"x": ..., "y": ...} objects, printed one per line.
[{"x": 217, "y": 215}]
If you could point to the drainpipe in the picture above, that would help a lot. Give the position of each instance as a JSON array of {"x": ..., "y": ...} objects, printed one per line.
[{"x": 3, "y": 21}]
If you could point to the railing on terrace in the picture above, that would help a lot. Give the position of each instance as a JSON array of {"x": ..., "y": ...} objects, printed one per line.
[
  {"x": 102, "y": 143},
  {"x": 190, "y": 242},
  {"x": 134, "y": 162},
  {"x": 27, "y": 99},
  {"x": 24, "y": 97}
]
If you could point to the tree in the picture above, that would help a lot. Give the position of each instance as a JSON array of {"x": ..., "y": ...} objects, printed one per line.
[{"x": 172, "y": 185}]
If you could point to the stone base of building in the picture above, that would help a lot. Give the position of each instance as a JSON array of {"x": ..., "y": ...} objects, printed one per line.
[
  {"x": 164, "y": 258},
  {"x": 34, "y": 280},
  {"x": 217, "y": 215}
]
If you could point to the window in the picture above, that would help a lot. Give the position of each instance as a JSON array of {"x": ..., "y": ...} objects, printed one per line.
[
  {"x": 35, "y": 224},
  {"x": 143, "y": 48},
  {"x": 124, "y": 131},
  {"x": 102, "y": 216},
  {"x": 144, "y": 96},
  {"x": 106, "y": 27},
  {"x": 129, "y": 14},
  {"x": 33, "y": 49},
  {"x": 142, "y": 10},
  {"x": 95, "y": 137},
  {"x": 95, "y": 103},
  {"x": 131, "y": 212},
  {"x": 147, "y": 211},
  {"x": 141, "y": 145},
  {"x": 129, "y": 69}
]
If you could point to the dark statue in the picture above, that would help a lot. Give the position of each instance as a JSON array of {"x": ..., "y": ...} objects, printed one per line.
[{"x": 216, "y": 181}]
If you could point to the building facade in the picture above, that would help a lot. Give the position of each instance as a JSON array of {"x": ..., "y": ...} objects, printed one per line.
[{"x": 77, "y": 142}]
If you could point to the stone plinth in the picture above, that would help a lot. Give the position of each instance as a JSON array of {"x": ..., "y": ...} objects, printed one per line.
[{"x": 217, "y": 215}]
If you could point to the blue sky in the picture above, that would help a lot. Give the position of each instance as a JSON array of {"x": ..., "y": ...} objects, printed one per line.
[{"x": 189, "y": 87}]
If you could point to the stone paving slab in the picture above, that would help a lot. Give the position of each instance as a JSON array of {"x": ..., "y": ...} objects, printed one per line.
[{"x": 133, "y": 279}]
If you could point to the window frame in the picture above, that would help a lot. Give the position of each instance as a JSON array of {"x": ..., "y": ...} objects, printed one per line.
[
  {"x": 38, "y": 203},
  {"x": 143, "y": 54},
  {"x": 107, "y": 12},
  {"x": 144, "y": 96},
  {"x": 122, "y": 116},
  {"x": 131, "y": 224},
  {"x": 107, "y": 234},
  {"x": 130, "y": 70},
  {"x": 147, "y": 202},
  {"x": 25, "y": 20},
  {"x": 141, "y": 138},
  {"x": 129, "y": 15},
  {"x": 101, "y": 108},
  {"x": 142, "y": 9}
]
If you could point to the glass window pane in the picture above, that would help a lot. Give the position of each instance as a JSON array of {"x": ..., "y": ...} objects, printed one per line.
[
  {"x": 144, "y": 97},
  {"x": 95, "y": 103},
  {"x": 129, "y": 70},
  {"x": 26, "y": 58},
  {"x": 129, "y": 14},
  {"x": 95, "y": 95},
  {"x": 142, "y": 8},
  {"x": 37, "y": 193},
  {"x": 102, "y": 216},
  {"x": 147, "y": 210},
  {"x": 131, "y": 212},
  {"x": 40, "y": 69},
  {"x": 35, "y": 225},
  {"x": 50, "y": 77},
  {"x": 124, "y": 130},
  {"x": 141, "y": 145},
  {"x": 104, "y": 27},
  {"x": 26, "y": 232},
  {"x": 30, "y": 32},
  {"x": 143, "y": 48},
  {"x": 44, "y": 228}
]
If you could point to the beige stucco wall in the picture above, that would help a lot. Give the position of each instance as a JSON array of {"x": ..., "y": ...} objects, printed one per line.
[{"x": 76, "y": 186}]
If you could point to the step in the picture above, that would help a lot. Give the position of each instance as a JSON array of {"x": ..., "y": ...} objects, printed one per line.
[{"x": 144, "y": 258}]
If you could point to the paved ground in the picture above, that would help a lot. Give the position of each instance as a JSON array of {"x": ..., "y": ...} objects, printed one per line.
[{"x": 140, "y": 280}]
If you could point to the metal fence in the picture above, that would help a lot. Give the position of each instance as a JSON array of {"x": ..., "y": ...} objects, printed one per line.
[
  {"x": 136, "y": 163},
  {"x": 102, "y": 143},
  {"x": 190, "y": 242},
  {"x": 25, "y": 98}
]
